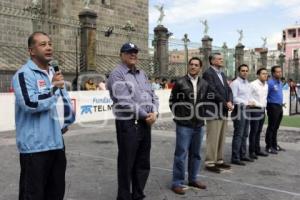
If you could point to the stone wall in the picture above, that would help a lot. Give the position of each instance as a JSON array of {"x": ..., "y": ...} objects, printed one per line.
[{"x": 60, "y": 19}]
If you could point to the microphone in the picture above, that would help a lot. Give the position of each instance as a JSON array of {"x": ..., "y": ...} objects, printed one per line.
[{"x": 54, "y": 64}]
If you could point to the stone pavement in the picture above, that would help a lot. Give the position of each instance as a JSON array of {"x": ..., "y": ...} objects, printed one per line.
[{"x": 91, "y": 172}]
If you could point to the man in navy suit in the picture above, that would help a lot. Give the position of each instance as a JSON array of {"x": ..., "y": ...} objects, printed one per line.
[{"x": 217, "y": 114}]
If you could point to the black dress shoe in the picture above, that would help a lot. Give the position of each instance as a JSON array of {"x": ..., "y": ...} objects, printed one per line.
[
  {"x": 213, "y": 169},
  {"x": 253, "y": 156},
  {"x": 262, "y": 154},
  {"x": 223, "y": 166},
  {"x": 271, "y": 151},
  {"x": 279, "y": 148},
  {"x": 247, "y": 159},
  {"x": 238, "y": 162}
]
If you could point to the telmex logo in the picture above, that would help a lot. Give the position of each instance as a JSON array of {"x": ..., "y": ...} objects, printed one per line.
[{"x": 86, "y": 109}]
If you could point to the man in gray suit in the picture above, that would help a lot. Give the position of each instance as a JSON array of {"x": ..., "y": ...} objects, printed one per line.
[{"x": 217, "y": 115}]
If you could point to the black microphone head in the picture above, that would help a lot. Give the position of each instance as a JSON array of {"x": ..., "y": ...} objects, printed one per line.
[{"x": 54, "y": 64}]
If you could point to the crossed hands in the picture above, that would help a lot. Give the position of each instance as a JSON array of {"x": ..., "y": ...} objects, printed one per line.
[{"x": 229, "y": 105}]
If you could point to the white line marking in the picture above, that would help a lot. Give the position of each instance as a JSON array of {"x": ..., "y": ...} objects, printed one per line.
[
  {"x": 239, "y": 183},
  {"x": 208, "y": 177}
]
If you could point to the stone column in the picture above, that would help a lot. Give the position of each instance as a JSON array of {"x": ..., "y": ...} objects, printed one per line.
[
  {"x": 206, "y": 51},
  {"x": 186, "y": 40},
  {"x": 155, "y": 69},
  {"x": 162, "y": 34},
  {"x": 225, "y": 57},
  {"x": 87, "y": 18},
  {"x": 239, "y": 57},
  {"x": 281, "y": 63},
  {"x": 37, "y": 11},
  {"x": 264, "y": 57}
]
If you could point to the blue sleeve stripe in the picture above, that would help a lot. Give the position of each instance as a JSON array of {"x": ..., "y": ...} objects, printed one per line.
[
  {"x": 24, "y": 92},
  {"x": 68, "y": 115},
  {"x": 44, "y": 96}
]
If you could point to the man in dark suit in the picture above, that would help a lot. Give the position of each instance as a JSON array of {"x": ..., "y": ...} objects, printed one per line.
[{"x": 217, "y": 114}]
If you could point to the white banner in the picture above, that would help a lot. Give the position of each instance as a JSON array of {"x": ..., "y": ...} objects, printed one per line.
[
  {"x": 88, "y": 105},
  {"x": 91, "y": 106}
]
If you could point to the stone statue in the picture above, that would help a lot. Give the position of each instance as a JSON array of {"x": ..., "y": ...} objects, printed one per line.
[
  {"x": 162, "y": 13},
  {"x": 204, "y": 22},
  {"x": 241, "y": 36},
  {"x": 264, "y": 39},
  {"x": 86, "y": 4},
  {"x": 282, "y": 46}
]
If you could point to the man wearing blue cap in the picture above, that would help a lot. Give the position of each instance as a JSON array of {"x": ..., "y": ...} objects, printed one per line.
[{"x": 136, "y": 107}]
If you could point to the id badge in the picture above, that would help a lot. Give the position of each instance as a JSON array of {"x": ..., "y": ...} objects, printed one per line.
[{"x": 41, "y": 85}]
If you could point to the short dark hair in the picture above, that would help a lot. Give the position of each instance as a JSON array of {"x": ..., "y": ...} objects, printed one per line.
[
  {"x": 31, "y": 40},
  {"x": 273, "y": 69},
  {"x": 242, "y": 65},
  {"x": 261, "y": 69},
  {"x": 213, "y": 56},
  {"x": 196, "y": 58}
]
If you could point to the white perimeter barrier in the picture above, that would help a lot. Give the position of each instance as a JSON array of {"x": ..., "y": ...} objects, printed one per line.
[{"x": 89, "y": 106}]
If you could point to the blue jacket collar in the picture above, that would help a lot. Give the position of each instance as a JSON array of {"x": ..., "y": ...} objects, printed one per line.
[{"x": 32, "y": 65}]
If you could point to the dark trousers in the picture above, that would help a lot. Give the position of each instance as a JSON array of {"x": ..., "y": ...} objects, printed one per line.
[
  {"x": 42, "y": 175},
  {"x": 274, "y": 112},
  {"x": 256, "y": 125},
  {"x": 241, "y": 130},
  {"x": 134, "y": 143}
]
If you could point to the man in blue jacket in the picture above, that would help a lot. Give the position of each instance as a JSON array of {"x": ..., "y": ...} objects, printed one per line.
[{"x": 42, "y": 114}]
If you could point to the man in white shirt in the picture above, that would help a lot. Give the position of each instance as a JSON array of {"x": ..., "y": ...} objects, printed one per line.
[
  {"x": 242, "y": 102},
  {"x": 259, "y": 91}
]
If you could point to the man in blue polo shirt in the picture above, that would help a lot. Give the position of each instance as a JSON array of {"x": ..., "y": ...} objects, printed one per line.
[{"x": 274, "y": 109}]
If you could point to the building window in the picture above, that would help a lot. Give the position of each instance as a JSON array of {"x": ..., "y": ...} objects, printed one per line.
[
  {"x": 292, "y": 33},
  {"x": 295, "y": 53}
]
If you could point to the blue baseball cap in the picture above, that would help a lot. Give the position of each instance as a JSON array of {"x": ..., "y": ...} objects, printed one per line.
[{"x": 129, "y": 47}]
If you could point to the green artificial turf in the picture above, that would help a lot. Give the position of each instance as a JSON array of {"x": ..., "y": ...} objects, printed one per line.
[{"x": 290, "y": 121}]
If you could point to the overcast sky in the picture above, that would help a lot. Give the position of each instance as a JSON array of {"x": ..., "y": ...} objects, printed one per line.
[{"x": 257, "y": 18}]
